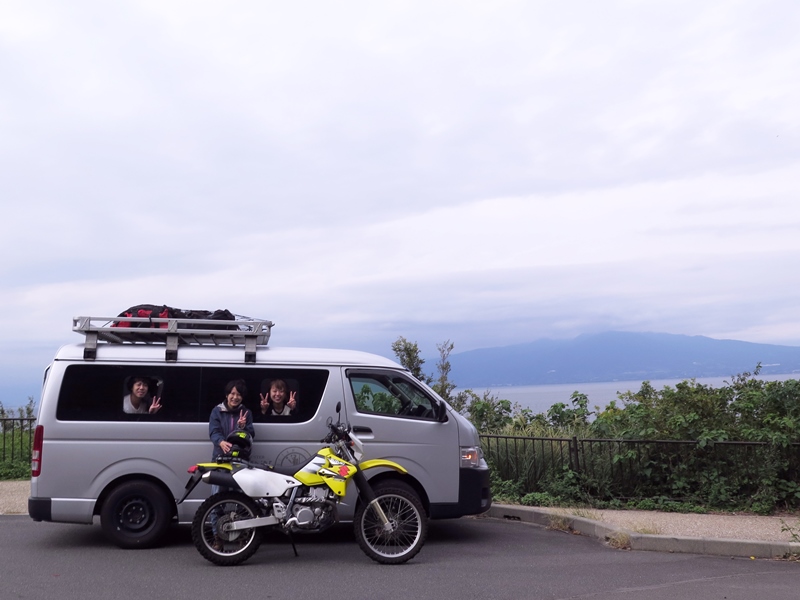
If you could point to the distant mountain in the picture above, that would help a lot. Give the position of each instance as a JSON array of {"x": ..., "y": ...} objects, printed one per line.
[{"x": 618, "y": 356}]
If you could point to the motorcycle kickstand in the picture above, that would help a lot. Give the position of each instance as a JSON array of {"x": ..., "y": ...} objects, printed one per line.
[{"x": 291, "y": 541}]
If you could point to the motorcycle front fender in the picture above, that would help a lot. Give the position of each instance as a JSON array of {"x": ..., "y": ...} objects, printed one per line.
[{"x": 380, "y": 462}]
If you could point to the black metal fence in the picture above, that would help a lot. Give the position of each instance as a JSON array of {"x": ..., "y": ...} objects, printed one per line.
[
  {"x": 646, "y": 468},
  {"x": 17, "y": 438}
]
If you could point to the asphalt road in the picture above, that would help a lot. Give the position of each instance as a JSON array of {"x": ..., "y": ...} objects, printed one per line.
[{"x": 466, "y": 558}]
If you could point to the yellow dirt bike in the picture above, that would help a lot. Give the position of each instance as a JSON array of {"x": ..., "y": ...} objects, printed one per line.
[{"x": 390, "y": 521}]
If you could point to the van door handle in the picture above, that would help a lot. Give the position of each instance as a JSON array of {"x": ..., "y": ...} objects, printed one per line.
[{"x": 361, "y": 429}]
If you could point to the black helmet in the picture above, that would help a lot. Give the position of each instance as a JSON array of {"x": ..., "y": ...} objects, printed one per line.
[{"x": 241, "y": 444}]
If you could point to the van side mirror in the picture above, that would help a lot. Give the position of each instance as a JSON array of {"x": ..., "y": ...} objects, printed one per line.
[{"x": 441, "y": 412}]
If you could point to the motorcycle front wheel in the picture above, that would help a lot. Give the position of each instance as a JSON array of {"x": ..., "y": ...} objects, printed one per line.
[
  {"x": 209, "y": 534},
  {"x": 405, "y": 534}
]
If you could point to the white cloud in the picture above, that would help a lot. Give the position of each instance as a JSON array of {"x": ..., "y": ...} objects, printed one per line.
[{"x": 488, "y": 173}]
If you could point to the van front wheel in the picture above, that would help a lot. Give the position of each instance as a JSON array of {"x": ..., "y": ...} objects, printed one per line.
[{"x": 136, "y": 514}]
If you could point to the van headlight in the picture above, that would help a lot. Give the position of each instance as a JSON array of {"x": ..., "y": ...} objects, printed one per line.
[{"x": 470, "y": 456}]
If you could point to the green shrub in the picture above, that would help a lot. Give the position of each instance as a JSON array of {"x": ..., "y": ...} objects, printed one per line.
[
  {"x": 644, "y": 504},
  {"x": 540, "y": 499},
  {"x": 566, "y": 485},
  {"x": 15, "y": 470},
  {"x": 505, "y": 490},
  {"x": 620, "y": 454}
]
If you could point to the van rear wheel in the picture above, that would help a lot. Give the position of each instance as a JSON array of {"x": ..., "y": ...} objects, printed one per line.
[{"x": 136, "y": 514}]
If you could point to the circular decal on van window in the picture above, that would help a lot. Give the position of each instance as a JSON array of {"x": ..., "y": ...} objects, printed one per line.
[{"x": 292, "y": 456}]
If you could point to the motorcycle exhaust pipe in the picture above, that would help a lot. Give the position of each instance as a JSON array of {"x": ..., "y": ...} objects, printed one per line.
[{"x": 221, "y": 478}]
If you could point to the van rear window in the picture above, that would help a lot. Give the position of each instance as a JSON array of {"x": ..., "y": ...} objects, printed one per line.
[{"x": 92, "y": 392}]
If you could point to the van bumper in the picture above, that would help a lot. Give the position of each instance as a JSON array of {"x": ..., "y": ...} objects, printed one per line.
[
  {"x": 474, "y": 496},
  {"x": 40, "y": 509}
]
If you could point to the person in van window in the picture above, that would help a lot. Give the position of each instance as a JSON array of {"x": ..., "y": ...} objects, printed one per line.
[
  {"x": 228, "y": 416},
  {"x": 138, "y": 401},
  {"x": 279, "y": 401}
]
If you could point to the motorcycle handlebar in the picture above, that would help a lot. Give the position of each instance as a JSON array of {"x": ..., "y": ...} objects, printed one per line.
[{"x": 337, "y": 431}]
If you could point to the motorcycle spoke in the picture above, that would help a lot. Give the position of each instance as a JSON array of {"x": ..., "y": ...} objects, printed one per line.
[
  {"x": 404, "y": 522},
  {"x": 209, "y": 534},
  {"x": 227, "y": 542}
]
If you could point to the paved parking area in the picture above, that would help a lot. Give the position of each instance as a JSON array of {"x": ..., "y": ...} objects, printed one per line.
[{"x": 465, "y": 558}]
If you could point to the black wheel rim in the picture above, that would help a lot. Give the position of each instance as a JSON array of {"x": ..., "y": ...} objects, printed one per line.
[{"x": 134, "y": 514}]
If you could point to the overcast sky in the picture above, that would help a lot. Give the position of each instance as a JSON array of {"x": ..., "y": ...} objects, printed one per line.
[{"x": 490, "y": 173}]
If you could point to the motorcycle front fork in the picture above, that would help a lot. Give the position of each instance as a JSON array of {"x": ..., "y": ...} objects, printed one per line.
[
  {"x": 387, "y": 525},
  {"x": 366, "y": 492}
]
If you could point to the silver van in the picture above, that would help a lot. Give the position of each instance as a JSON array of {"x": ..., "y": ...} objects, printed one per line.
[{"x": 94, "y": 457}]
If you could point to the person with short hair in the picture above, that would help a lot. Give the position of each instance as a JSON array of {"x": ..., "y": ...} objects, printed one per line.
[
  {"x": 138, "y": 401},
  {"x": 228, "y": 416}
]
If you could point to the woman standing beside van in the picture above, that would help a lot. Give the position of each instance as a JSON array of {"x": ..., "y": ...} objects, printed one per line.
[{"x": 228, "y": 416}]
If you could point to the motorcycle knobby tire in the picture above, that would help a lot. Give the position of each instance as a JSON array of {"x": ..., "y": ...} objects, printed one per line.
[
  {"x": 409, "y": 524},
  {"x": 225, "y": 548}
]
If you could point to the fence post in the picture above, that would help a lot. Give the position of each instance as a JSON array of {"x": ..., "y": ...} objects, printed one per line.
[
  {"x": 574, "y": 455},
  {"x": 14, "y": 445}
]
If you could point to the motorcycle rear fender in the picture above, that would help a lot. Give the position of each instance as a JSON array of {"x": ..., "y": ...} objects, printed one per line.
[
  {"x": 225, "y": 466},
  {"x": 380, "y": 462},
  {"x": 194, "y": 479}
]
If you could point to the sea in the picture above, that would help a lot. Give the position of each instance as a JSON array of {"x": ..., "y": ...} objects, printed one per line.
[{"x": 539, "y": 398}]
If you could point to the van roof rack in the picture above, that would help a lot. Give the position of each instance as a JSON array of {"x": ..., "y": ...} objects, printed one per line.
[{"x": 174, "y": 332}]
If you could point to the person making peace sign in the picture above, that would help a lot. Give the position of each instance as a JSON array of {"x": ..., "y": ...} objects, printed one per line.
[
  {"x": 279, "y": 400},
  {"x": 228, "y": 416}
]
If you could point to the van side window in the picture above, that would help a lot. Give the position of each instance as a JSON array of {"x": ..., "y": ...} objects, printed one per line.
[
  {"x": 96, "y": 392},
  {"x": 390, "y": 395},
  {"x": 91, "y": 392},
  {"x": 308, "y": 385}
]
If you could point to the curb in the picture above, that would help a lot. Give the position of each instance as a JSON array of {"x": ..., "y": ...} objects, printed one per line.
[{"x": 641, "y": 541}]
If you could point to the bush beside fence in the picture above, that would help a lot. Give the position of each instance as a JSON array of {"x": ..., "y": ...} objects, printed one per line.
[
  {"x": 16, "y": 440},
  {"x": 756, "y": 476}
]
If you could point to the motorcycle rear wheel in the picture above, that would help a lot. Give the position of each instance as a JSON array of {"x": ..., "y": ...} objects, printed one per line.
[
  {"x": 225, "y": 548},
  {"x": 407, "y": 519}
]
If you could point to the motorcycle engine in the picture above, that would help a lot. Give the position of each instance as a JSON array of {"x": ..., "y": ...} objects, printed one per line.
[{"x": 312, "y": 510}]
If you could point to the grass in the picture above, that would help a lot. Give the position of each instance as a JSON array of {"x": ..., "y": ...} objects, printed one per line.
[
  {"x": 586, "y": 513},
  {"x": 562, "y": 519},
  {"x": 619, "y": 540},
  {"x": 794, "y": 532},
  {"x": 647, "y": 529},
  {"x": 559, "y": 523}
]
